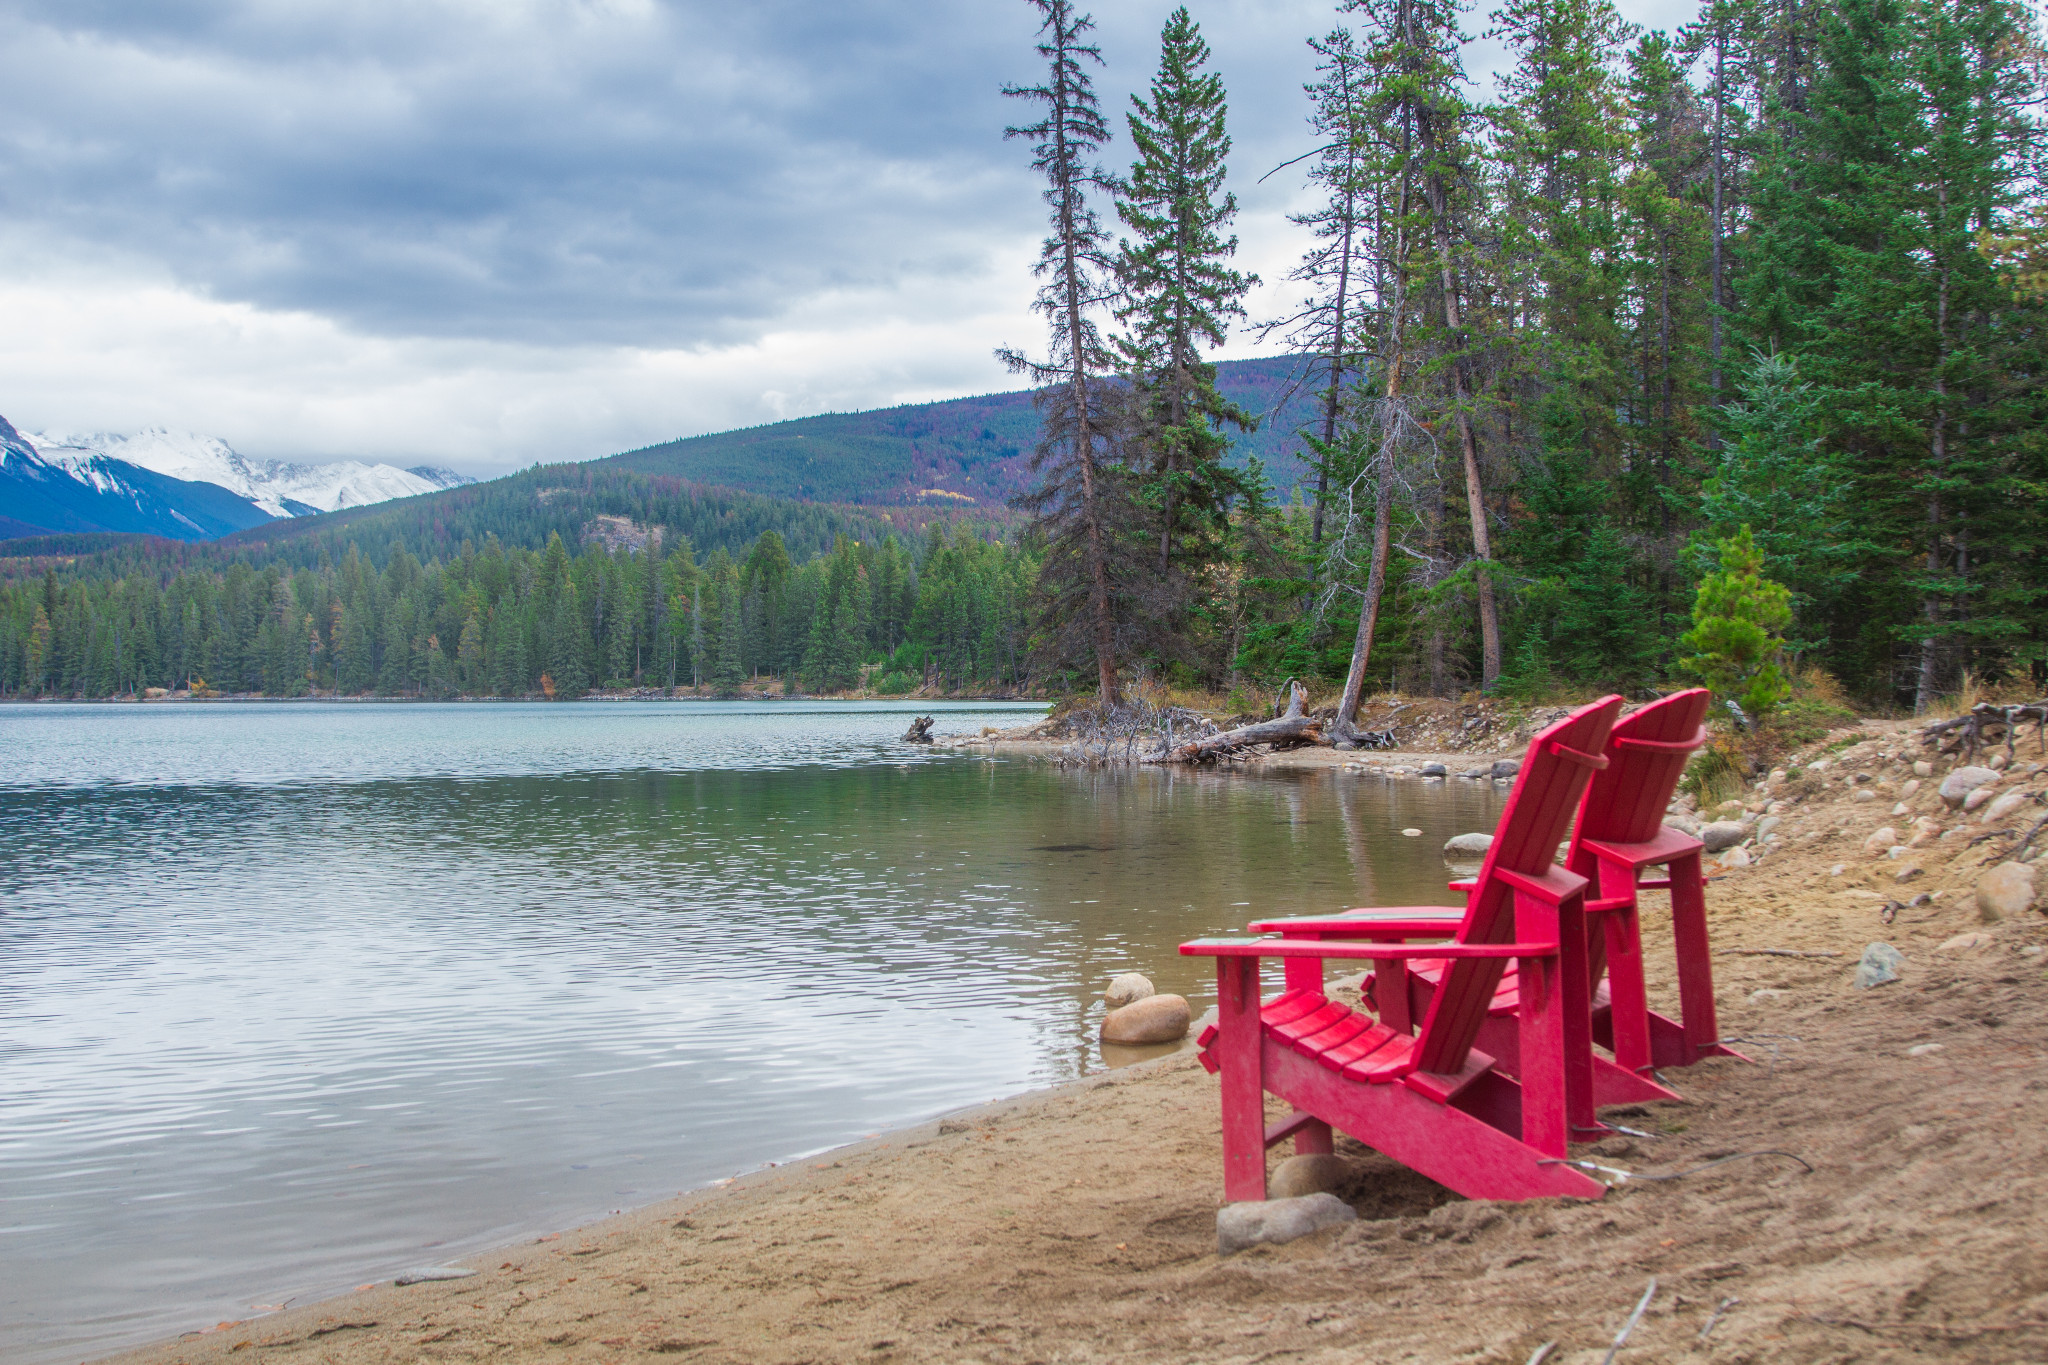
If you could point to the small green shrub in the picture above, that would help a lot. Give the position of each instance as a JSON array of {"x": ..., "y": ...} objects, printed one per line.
[
  {"x": 1737, "y": 634},
  {"x": 895, "y": 684}
]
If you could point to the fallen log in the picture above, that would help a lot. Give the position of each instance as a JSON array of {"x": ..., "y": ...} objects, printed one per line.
[
  {"x": 1294, "y": 726},
  {"x": 920, "y": 731}
]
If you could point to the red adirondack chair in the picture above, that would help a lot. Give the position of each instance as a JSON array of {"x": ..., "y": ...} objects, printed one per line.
[
  {"x": 1620, "y": 831},
  {"x": 1427, "y": 1097}
]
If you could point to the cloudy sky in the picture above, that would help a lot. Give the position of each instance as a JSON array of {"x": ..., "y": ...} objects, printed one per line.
[{"x": 489, "y": 232}]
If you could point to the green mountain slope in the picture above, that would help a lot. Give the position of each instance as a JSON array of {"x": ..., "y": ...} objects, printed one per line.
[{"x": 966, "y": 451}]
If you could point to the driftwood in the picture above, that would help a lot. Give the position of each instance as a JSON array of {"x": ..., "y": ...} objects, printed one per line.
[
  {"x": 920, "y": 731},
  {"x": 1294, "y": 726},
  {"x": 1985, "y": 725}
]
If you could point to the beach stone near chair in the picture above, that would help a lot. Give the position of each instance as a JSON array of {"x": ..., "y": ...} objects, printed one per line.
[
  {"x": 1467, "y": 846},
  {"x": 1723, "y": 834},
  {"x": 2005, "y": 805},
  {"x": 1278, "y": 1220},
  {"x": 1922, "y": 768},
  {"x": 1957, "y": 786},
  {"x": 1126, "y": 988},
  {"x": 1312, "y": 1173},
  {"x": 1880, "y": 963},
  {"x": 1155, "y": 1019},
  {"x": 1880, "y": 840},
  {"x": 2005, "y": 891},
  {"x": 1736, "y": 857},
  {"x": 1434, "y": 770}
]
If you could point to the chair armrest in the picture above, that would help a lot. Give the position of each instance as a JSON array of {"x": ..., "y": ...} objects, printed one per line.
[
  {"x": 1408, "y": 922},
  {"x": 1298, "y": 947},
  {"x": 1464, "y": 885},
  {"x": 1552, "y": 887}
]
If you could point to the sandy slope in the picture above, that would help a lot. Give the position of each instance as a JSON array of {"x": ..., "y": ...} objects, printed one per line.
[{"x": 1078, "y": 1224}]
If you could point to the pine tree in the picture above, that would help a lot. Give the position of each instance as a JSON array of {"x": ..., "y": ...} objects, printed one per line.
[
  {"x": 1737, "y": 632},
  {"x": 1073, "y": 508}
]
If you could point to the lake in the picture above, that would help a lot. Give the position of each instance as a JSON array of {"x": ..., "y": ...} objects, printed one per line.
[{"x": 297, "y": 996}]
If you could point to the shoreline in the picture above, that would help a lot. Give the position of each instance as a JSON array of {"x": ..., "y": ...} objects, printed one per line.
[{"x": 1077, "y": 1221}]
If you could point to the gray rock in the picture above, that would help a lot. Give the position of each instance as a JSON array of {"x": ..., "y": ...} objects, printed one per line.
[
  {"x": 1723, "y": 834},
  {"x": 2005, "y": 891},
  {"x": 1880, "y": 963},
  {"x": 1767, "y": 824},
  {"x": 1467, "y": 845},
  {"x": 1278, "y": 1220},
  {"x": 1474, "y": 773},
  {"x": 1434, "y": 770},
  {"x": 1957, "y": 786},
  {"x": 1316, "y": 1173},
  {"x": 1155, "y": 1019},
  {"x": 2006, "y": 805},
  {"x": 1506, "y": 767},
  {"x": 1126, "y": 988}
]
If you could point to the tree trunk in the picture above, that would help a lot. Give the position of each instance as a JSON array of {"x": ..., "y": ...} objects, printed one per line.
[{"x": 1294, "y": 724}]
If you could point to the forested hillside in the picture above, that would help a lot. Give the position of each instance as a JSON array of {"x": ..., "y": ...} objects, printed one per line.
[
  {"x": 1709, "y": 354},
  {"x": 962, "y": 448}
]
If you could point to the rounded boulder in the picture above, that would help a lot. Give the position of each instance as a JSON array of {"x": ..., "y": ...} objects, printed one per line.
[
  {"x": 1155, "y": 1019},
  {"x": 1126, "y": 988},
  {"x": 1467, "y": 846},
  {"x": 1957, "y": 786}
]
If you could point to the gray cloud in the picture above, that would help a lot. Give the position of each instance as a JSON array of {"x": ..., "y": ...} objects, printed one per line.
[{"x": 641, "y": 174}]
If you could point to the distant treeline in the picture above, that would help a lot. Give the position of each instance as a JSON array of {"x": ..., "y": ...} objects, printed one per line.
[{"x": 944, "y": 610}]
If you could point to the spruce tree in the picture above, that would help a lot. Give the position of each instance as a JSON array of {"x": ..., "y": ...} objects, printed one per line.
[{"x": 1178, "y": 294}]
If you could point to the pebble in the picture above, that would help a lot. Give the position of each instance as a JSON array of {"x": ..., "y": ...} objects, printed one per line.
[
  {"x": 1278, "y": 1220},
  {"x": 1957, "y": 786},
  {"x": 1923, "y": 1049},
  {"x": 1313, "y": 1173},
  {"x": 1467, "y": 844},
  {"x": 1901, "y": 808},
  {"x": 1880, "y": 963},
  {"x": 1155, "y": 1019},
  {"x": 1767, "y": 824},
  {"x": 1126, "y": 988},
  {"x": 1767, "y": 994},
  {"x": 1411, "y": 833},
  {"x": 1880, "y": 840},
  {"x": 1922, "y": 768},
  {"x": 1962, "y": 942},
  {"x": 1912, "y": 785},
  {"x": 1864, "y": 795},
  {"x": 2005, "y": 805},
  {"x": 1983, "y": 796},
  {"x": 1723, "y": 834},
  {"x": 1838, "y": 869},
  {"x": 2005, "y": 891},
  {"x": 1736, "y": 857}
]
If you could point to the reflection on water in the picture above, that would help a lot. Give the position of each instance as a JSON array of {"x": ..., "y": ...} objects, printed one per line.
[{"x": 294, "y": 997}]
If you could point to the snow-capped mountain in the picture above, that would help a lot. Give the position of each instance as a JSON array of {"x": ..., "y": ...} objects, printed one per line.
[
  {"x": 95, "y": 493},
  {"x": 279, "y": 488},
  {"x": 176, "y": 484}
]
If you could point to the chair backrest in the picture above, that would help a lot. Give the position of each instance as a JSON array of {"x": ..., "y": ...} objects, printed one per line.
[
  {"x": 1553, "y": 776},
  {"x": 1646, "y": 755}
]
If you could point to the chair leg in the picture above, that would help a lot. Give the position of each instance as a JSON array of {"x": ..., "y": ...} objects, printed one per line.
[
  {"x": 1315, "y": 1139},
  {"x": 1621, "y": 930},
  {"x": 1555, "y": 1022},
  {"x": 1239, "y": 1036},
  {"x": 1695, "y": 962}
]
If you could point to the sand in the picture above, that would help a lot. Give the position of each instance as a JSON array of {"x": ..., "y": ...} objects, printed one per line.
[{"x": 1078, "y": 1224}]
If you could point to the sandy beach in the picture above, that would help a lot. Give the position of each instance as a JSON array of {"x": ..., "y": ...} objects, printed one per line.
[{"x": 1078, "y": 1224}]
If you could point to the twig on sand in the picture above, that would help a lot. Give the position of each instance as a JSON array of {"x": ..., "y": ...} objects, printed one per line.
[
  {"x": 1621, "y": 1337},
  {"x": 1542, "y": 1353},
  {"x": 1774, "y": 952},
  {"x": 1715, "y": 1316}
]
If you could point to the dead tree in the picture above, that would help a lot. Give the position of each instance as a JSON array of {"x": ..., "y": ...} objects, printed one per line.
[
  {"x": 920, "y": 731},
  {"x": 1292, "y": 727}
]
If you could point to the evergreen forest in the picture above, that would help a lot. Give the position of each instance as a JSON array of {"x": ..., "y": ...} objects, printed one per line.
[{"x": 1711, "y": 354}]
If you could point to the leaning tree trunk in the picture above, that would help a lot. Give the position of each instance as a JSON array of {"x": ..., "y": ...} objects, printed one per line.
[{"x": 1294, "y": 724}]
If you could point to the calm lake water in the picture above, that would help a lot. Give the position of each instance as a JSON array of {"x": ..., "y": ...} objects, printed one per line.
[{"x": 294, "y": 997}]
